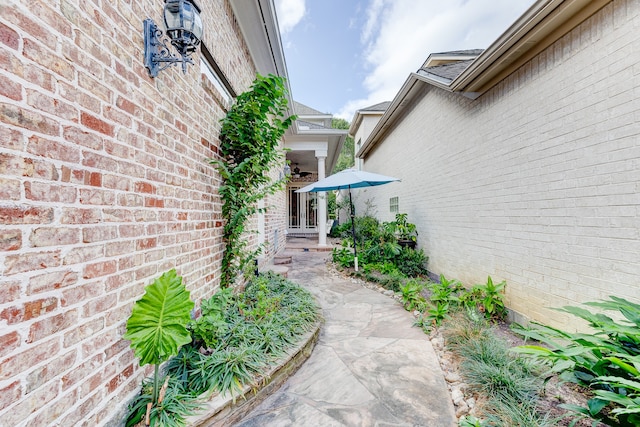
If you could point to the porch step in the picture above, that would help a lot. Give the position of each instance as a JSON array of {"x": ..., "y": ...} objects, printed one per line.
[
  {"x": 279, "y": 269},
  {"x": 308, "y": 248},
  {"x": 282, "y": 259}
]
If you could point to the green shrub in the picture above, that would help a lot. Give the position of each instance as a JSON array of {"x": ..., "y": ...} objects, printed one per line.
[
  {"x": 238, "y": 334},
  {"x": 446, "y": 291},
  {"x": 343, "y": 257},
  {"x": 607, "y": 361},
  {"x": 381, "y": 267},
  {"x": 487, "y": 298},
  {"x": 341, "y": 230},
  {"x": 378, "y": 244},
  {"x": 412, "y": 295},
  {"x": 412, "y": 262},
  {"x": 367, "y": 228}
]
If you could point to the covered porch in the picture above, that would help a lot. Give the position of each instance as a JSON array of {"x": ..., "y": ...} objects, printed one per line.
[{"x": 312, "y": 152}]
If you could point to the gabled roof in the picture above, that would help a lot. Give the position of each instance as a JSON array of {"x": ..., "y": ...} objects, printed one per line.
[
  {"x": 372, "y": 110},
  {"x": 305, "y": 110},
  {"x": 545, "y": 22},
  {"x": 305, "y": 125},
  {"x": 382, "y": 106},
  {"x": 447, "y": 72},
  {"x": 441, "y": 58}
]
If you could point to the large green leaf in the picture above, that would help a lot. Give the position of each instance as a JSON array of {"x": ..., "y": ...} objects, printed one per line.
[{"x": 156, "y": 327}]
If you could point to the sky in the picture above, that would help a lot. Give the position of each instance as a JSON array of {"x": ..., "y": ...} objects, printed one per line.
[{"x": 343, "y": 55}]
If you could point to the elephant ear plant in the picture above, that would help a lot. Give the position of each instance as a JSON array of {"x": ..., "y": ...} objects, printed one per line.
[{"x": 157, "y": 330}]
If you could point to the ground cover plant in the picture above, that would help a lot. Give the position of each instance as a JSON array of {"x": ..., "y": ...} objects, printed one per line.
[
  {"x": 231, "y": 345},
  {"x": 606, "y": 361},
  {"x": 509, "y": 385}
]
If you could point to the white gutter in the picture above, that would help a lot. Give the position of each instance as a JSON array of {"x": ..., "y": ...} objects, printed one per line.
[{"x": 542, "y": 24}]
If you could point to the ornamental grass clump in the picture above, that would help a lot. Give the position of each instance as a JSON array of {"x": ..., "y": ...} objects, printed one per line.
[
  {"x": 230, "y": 346},
  {"x": 508, "y": 383},
  {"x": 239, "y": 335}
]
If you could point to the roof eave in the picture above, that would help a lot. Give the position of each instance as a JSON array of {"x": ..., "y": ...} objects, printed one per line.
[
  {"x": 259, "y": 25},
  {"x": 541, "y": 25}
]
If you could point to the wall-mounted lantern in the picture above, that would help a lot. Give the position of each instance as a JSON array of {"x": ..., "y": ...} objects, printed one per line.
[{"x": 183, "y": 26}]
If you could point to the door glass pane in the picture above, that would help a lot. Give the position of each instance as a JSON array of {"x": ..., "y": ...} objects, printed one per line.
[
  {"x": 311, "y": 210},
  {"x": 293, "y": 209}
]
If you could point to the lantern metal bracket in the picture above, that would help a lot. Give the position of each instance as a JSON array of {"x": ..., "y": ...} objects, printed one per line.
[{"x": 157, "y": 55}]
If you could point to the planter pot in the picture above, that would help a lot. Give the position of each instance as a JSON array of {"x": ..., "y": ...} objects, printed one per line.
[{"x": 407, "y": 243}]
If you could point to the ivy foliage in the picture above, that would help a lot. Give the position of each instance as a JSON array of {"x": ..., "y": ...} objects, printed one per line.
[{"x": 249, "y": 140}]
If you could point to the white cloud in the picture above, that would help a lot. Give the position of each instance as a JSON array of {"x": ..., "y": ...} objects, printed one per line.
[
  {"x": 399, "y": 35},
  {"x": 290, "y": 13}
]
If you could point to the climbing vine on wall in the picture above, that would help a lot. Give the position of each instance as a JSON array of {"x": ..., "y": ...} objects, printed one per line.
[{"x": 249, "y": 149}]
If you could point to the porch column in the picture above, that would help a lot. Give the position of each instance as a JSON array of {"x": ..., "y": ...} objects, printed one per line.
[{"x": 322, "y": 203}]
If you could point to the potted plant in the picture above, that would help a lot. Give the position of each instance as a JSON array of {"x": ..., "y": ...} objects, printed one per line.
[{"x": 404, "y": 231}]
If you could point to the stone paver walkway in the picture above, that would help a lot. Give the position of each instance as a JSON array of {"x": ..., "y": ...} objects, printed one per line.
[{"x": 369, "y": 368}]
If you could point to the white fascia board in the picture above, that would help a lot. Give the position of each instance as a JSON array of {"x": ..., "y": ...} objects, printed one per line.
[
  {"x": 541, "y": 25},
  {"x": 259, "y": 25},
  {"x": 434, "y": 79},
  {"x": 307, "y": 145},
  {"x": 397, "y": 105}
]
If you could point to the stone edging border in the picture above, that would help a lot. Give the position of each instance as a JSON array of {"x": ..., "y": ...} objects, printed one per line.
[{"x": 226, "y": 411}]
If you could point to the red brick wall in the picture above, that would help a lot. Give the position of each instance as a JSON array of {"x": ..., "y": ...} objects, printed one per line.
[{"x": 104, "y": 185}]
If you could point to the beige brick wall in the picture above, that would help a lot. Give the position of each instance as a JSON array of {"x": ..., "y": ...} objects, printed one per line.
[
  {"x": 537, "y": 182},
  {"x": 104, "y": 185}
]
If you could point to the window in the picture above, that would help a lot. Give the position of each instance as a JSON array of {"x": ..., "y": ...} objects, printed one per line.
[
  {"x": 393, "y": 205},
  {"x": 209, "y": 69}
]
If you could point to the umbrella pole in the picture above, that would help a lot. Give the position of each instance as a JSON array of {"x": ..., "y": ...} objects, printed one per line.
[{"x": 353, "y": 230}]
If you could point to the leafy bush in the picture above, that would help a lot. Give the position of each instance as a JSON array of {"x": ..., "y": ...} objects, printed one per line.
[
  {"x": 607, "y": 360},
  {"x": 341, "y": 230},
  {"x": 412, "y": 295},
  {"x": 412, "y": 262},
  {"x": 367, "y": 228},
  {"x": 446, "y": 291},
  {"x": 378, "y": 244},
  {"x": 238, "y": 334},
  {"x": 343, "y": 257},
  {"x": 382, "y": 267},
  {"x": 401, "y": 228},
  {"x": 487, "y": 298}
]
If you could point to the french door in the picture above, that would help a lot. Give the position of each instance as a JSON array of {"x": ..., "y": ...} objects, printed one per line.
[{"x": 302, "y": 211}]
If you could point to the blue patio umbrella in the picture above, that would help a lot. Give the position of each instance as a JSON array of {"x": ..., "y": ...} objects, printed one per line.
[{"x": 346, "y": 180}]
